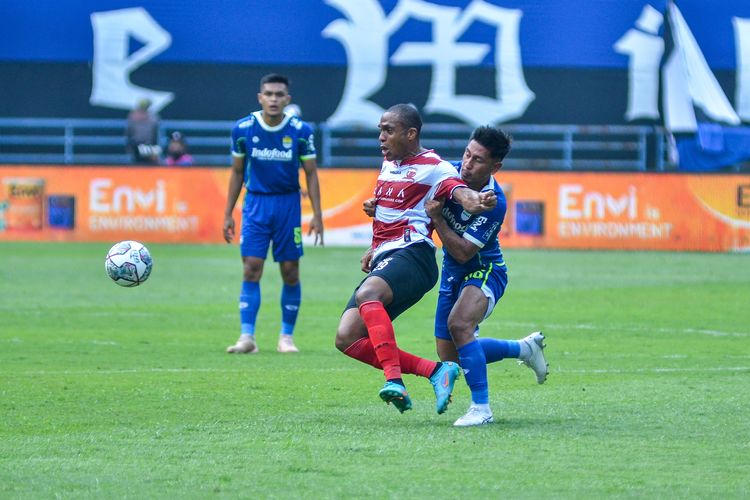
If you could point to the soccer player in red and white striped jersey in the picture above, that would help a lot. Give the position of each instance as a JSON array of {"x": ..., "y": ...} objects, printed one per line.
[{"x": 400, "y": 262}]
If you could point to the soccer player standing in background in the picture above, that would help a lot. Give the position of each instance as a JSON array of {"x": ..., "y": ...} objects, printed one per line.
[
  {"x": 268, "y": 147},
  {"x": 400, "y": 262}
]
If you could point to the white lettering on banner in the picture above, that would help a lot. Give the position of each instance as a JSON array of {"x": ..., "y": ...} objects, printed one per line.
[
  {"x": 575, "y": 204},
  {"x": 588, "y": 214},
  {"x": 168, "y": 223},
  {"x": 104, "y": 199},
  {"x": 365, "y": 35},
  {"x": 688, "y": 81},
  {"x": 644, "y": 49},
  {"x": 615, "y": 230},
  {"x": 112, "y": 65}
]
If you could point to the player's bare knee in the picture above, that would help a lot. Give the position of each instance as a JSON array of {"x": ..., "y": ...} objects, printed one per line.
[
  {"x": 350, "y": 329},
  {"x": 345, "y": 337},
  {"x": 252, "y": 269},
  {"x": 462, "y": 331},
  {"x": 289, "y": 273},
  {"x": 369, "y": 294}
]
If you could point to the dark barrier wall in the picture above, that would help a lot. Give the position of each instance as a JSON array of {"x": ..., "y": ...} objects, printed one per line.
[{"x": 557, "y": 61}]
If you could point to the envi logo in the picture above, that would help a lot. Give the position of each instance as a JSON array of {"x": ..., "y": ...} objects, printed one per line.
[
  {"x": 107, "y": 197},
  {"x": 577, "y": 204}
]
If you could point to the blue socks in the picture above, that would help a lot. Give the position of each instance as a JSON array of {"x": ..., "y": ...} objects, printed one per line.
[
  {"x": 474, "y": 365},
  {"x": 291, "y": 296},
  {"x": 497, "y": 349},
  {"x": 249, "y": 305}
]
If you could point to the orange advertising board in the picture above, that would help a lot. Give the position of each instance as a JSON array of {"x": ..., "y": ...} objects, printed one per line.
[{"x": 545, "y": 209}]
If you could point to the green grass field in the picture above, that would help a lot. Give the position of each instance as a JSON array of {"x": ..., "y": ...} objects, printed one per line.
[{"x": 107, "y": 392}]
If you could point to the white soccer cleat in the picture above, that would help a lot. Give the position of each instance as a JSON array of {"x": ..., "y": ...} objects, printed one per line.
[
  {"x": 244, "y": 345},
  {"x": 286, "y": 344},
  {"x": 535, "y": 359},
  {"x": 477, "y": 415}
]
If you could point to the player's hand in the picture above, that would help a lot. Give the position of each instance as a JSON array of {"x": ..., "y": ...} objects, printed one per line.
[
  {"x": 488, "y": 200},
  {"x": 434, "y": 208},
  {"x": 228, "y": 228},
  {"x": 366, "y": 260},
  {"x": 369, "y": 206},
  {"x": 316, "y": 226}
]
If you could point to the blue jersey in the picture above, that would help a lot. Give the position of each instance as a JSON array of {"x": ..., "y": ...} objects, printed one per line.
[
  {"x": 480, "y": 229},
  {"x": 272, "y": 154}
]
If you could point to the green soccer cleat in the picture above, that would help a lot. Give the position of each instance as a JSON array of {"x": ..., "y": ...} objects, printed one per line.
[
  {"x": 396, "y": 394},
  {"x": 442, "y": 381}
]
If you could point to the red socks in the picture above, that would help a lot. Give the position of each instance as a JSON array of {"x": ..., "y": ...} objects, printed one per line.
[
  {"x": 380, "y": 329},
  {"x": 365, "y": 349}
]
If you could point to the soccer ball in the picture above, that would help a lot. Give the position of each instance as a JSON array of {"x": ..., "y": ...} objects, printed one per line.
[{"x": 128, "y": 263}]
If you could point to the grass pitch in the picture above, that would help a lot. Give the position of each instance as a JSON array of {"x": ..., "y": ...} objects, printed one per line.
[{"x": 107, "y": 392}]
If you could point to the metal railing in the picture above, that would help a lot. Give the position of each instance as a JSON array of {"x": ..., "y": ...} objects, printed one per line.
[{"x": 551, "y": 147}]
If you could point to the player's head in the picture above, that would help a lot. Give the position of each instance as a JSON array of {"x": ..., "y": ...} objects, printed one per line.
[
  {"x": 400, "y": 127},
  {"x": 274, "y": 96},
  {"x": 484, "y": 155}
]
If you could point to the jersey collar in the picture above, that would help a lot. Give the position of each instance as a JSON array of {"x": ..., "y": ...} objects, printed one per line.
[{"x": 259, "y": 118}]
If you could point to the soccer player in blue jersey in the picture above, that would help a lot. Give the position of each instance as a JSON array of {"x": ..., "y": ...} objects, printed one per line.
[
  {"x": 268, "y": 147},
  {"x": 474, "y": 277}
]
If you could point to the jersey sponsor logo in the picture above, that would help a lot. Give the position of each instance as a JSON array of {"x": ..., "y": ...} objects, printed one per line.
[
  {"x": 411, "y": 173},
  {"x": 286, "y": 142},
  {"x": 256, "y": 139},
  {"x": 478, "y": 222},
  {"x": 271, "y": 154},
  {"x": 400, "y": 195},
  {"x": 450, "y": 218}
]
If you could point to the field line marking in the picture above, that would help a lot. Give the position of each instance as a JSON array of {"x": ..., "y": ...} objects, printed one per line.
[
  {"x": 588, "y": 326},
  {"x": 242, "y": 370},
  {"x": 654, "y": 370}
]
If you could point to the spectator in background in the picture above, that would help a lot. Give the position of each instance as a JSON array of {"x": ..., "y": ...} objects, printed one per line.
[
  {"x": 177, "y": 154},
  {"x": 294, "y": 110},
  {"x": 142, "y": 134}
]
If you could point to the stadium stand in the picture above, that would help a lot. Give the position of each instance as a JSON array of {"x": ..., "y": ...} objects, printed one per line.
[{"x": 539, "y": 147}]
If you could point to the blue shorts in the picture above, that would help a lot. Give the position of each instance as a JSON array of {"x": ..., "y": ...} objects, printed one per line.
[
  {"x": 272, "y": 217},
  {"x": 492, "y": 280}
]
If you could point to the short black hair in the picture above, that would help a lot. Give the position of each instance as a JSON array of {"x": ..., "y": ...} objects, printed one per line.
[
  {"x": 408, "y": 115},
  {"x": 274, "y": 78},
  {"x": 496, "y": 140}
]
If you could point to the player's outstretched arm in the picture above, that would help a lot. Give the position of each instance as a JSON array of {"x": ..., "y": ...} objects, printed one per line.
[
  {"x": 475, "y": 202},
  {"x": 313, "y": 190},
  {"x": 461, "y": 249}
]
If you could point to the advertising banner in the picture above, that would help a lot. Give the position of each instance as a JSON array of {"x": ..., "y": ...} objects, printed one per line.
[{"x": 636, "y": 211}]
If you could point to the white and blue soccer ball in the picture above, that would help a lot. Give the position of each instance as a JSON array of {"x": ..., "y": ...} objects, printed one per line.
[{"x": 128, "y": 263}]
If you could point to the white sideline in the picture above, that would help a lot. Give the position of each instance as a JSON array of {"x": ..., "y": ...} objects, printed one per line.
[{"x": 587, "y": 326}]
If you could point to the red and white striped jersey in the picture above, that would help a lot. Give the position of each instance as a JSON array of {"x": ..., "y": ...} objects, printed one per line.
[{"x": 403, "y": 188}]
